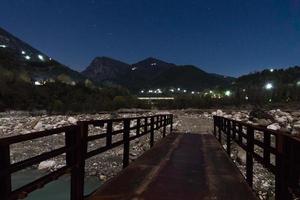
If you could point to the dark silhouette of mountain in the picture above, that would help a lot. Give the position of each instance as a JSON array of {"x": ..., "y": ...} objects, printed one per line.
[
  {"x": 152, "y": 73},
  {"x": 106, "y": 70},
  {"x": 18, "y": 56}
]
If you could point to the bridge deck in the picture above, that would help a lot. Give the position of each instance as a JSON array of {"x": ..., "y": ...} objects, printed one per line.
[{"x": 181, "y": 166}]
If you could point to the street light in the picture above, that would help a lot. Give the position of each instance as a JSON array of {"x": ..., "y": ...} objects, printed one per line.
[
  {"x": 227, "y": 93},
  {"x": 269, "y": 86}
]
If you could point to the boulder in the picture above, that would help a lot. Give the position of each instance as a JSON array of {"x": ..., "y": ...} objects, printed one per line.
[
  {"x": 72, "y": 120},
  {"x": 260, "y": 114},
  {"x": 274, "y": 126},
  {"x": 46, "y": 165},
  {"x": 262, "y": 122},
  {"x": 38, "y": 126}
]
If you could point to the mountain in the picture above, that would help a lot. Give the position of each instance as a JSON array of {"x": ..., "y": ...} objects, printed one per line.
[
  {"x": 106, "y": 70},
  {"x": 21, "y": 58},
  {"x": 152, "y": 73}
]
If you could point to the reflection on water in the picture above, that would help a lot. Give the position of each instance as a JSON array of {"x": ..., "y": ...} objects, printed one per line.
[{"x": 58, "y": 190}]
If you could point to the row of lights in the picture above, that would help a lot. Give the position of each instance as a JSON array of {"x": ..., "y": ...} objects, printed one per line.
[{"x": 27, "y": 57}]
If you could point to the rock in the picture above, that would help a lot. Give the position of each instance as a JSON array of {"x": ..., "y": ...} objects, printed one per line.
[
  {"x": 296, "y": 114},
  {"x": 274, "y": 126},
  {"x": 38, "y": 126},
  {"x": 46, "y": 165},
  {"x": 260, "y": 114},
  {"x": 102, "y": 177},
  {"x": 262, "y": 122},
  {"x": 72, "y": 120}
]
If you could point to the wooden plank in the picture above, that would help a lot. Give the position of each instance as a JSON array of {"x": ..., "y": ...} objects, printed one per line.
[{"x": 181, "y": 166}]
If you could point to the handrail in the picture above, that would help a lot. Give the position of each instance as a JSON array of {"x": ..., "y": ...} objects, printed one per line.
[
  {"x": 76, "y": 149},
  {"x": 279, "y": 144}
]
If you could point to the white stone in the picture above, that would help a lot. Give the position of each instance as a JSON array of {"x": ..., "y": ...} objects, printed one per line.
[
  {"x": 46, "y": 165},
  {"x": 274, "y": 126},
  {"x": 72, "y": 120},
  {"x": 38, "y": 126}
]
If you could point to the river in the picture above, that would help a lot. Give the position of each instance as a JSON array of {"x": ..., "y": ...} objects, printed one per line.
[{"x": 56, "y": 190}]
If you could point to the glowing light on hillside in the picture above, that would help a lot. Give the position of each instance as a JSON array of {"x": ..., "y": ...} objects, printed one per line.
[
  {"x": 27, "y": 57},
  {"x": 271, "y": 70},
  {"x": 172, "y": 90},
  {"x": 133, "y": 69},
  {"x": 210, "y": 91},
  {"x": 3, "y": 46},
  {"x": 142, "y": 91},
  {"x": 158, "y": 91},
  {"x": 150, "y": 91},
  {"x": 178, "y": 89},
  {"x": 246, "y": 97},
  {"x": 298, "y": 83},
  {"x": 41, "y": 57},
  {"x": 184, "y": 91},
  {"x": 193, "y": 92},
  {"x": 23, "y": 52},
  {"x": 227, "y": 93},
  {"x": 270, "y": 100},
  {"x": 244, "y": 90},
  {"x": 268, "y": 86}
]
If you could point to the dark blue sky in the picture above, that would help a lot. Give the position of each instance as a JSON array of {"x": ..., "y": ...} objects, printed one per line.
[{"x": 230, "y": 37}]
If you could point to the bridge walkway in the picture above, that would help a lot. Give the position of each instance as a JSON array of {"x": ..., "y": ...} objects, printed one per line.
[{"x": 181, "y": 166}]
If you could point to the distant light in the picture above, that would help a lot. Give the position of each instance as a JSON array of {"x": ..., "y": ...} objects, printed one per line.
[
  {"x": 41, "y": 57},
  {"x": 271, "y": 70},
  {"x": 156, "y": 98},
  {"x": 3, "y": 46},
  {"x": 150, "y": 91},
  {"x": 27, "y": 57},
  {"x": 171, "y": 90},
  {"x": 246, "y": 97},
  {"x": 193, "y": 92},
  {"x": 298, "y": 83},
  {"x": 134, "y": 68},
  {"x": 158, "y": 91},
  {"x": 37, "y": 83},
  {"x": 269, "y": 86},
  {"x": 178, "y": 89},
  {"x": 184, "y": 91},
  {"x": 23, "y": 52},
  {"x": 244, "y": 90},
  {"x": 153, "y": 64},
  {"x": 227, "y": 93},
  {"x": 270, "y": 100},
  {"x": 50, "y": 58},
  {"x": 142, "y": 91},
  {"x": 210, "y": 91}
]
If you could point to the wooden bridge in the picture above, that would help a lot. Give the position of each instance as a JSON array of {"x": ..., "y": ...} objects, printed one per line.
[{"x": 180, "y": 166}]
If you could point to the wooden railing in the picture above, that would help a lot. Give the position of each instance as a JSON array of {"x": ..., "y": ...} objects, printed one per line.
[
  {"x": 76, "y": 150},
  {"x": 277, "y": 151}
]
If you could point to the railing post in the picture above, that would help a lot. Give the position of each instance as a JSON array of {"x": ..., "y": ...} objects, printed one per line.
[
  {"x": 152, "y": 132},
  {"x": 267, "y": 144},
  {"x": 126, "y": 143},
  {"x": 138, "y": 126},
  {"x": 220, "y": 129},
  {"x": 109, "y": 134},
  {"x": 164, "y": 125},
  {"x": 281, "y": 177},
  {"x": 249, "y": 155},
  {"x": 77, "y": 159},
  {"x": 5, "y": 176},
  {"x": 171, "y": 123},
  {"x": 233, "y": 127},
  {"x": 240, "y": 131},
  {"x": 146, "y": 125},
  {"x": 228, "y": 134}
]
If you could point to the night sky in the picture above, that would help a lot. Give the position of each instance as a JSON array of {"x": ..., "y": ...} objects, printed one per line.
[{"x": 230, "y": 37}]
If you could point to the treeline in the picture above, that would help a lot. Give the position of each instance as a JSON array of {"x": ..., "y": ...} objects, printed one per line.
[{"x": 16, "y": 94}]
